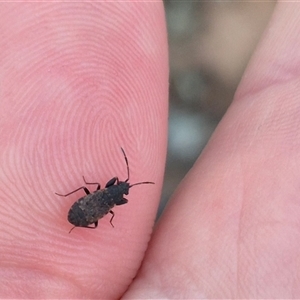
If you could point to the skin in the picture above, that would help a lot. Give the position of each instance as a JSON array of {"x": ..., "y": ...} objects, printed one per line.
[
  {"x": 78, "y": 81},
  {"x": 68, "y": 102}
]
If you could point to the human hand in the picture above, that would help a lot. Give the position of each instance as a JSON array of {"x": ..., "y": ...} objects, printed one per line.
[
  {"x": 78, "y": 81},
  {"x": 232, "y": 229},
  {"x": 73, "y": 91}
]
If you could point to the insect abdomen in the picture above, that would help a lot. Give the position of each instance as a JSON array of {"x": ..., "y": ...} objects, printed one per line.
[
  {"x": 89, "y": 209},
  {"x": 77, "y": 217}
]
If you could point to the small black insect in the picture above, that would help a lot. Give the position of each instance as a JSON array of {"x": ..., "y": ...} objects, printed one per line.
[{"x": 89, "y": 209}]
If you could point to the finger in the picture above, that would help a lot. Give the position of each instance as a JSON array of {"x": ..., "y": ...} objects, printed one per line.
[
  {"x": 79, "y": 81},
  {"x": 232, "y": 228}
]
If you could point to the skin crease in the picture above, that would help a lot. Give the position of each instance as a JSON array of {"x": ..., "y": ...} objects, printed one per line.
[
  {"x": 78, "y": 81},
  {"x": 231, "y": 229}
]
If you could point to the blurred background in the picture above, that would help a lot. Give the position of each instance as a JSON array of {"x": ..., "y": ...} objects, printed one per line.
[{"x": 210, "y": 44}]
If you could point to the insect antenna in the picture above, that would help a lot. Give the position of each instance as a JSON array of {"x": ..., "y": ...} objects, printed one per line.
[
  {"x": 144, "y": 182},
  {"x": 126, "y": 160}
]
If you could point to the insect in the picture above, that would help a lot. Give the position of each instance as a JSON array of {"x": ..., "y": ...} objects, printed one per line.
[{"x": 93, "y": 206}]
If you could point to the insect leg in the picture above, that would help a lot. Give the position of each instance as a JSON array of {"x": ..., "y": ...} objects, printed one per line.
[
  {"x": 113, "y": 214},
  {"x": 98, "y": 184},
  {"x": 83, "y": 187},
  {"x": 122, "y": 201},
  {"x": 96, "y": 224},
  {"x": 112, "y": 182},
  {"x": 72, "y": 229}
]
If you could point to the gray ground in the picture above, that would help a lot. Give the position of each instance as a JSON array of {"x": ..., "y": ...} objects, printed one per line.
[{"x": 210, "y": 44}]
